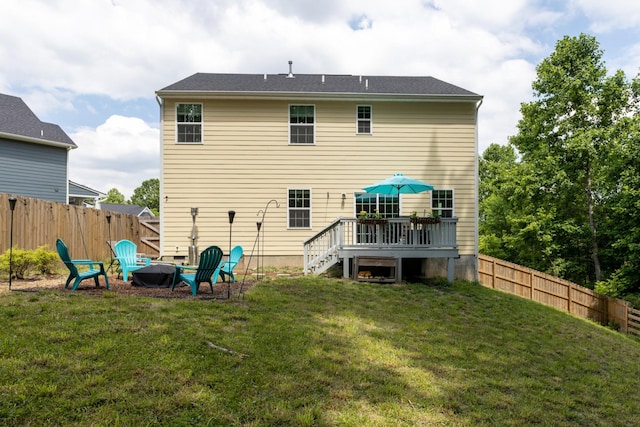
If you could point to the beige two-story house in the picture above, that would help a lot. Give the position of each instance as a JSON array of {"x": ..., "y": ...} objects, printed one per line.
[{"x": 291, "y": 153}]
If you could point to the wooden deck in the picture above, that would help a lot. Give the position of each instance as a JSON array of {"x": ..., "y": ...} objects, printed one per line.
[{"x": 346, "y": 239}]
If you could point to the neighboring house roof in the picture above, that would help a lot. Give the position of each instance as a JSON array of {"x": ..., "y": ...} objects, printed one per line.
[
  {"x": 329, "y": 85},
  {"x": 78, "y": 193},
  {"x": 79, "y": 190},
  {"x": 126, "y": 209},
  {"x": 17, "y": 121}
]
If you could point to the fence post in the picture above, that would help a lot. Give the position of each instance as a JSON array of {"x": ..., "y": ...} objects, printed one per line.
[
  {"x": 493, "y": 273},
  {"x": 532, "y": 277},
  {"x": 569, "y": 305}
]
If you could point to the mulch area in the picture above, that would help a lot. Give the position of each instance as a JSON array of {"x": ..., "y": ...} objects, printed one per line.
[{"x": 87, "y": 287}]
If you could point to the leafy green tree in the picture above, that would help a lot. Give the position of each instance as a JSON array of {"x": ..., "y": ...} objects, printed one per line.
[
  {"x": 496, "y": 168},
  {"x": 620, "y": 217},
  {"x": 564, "y": 139},
  {"x": 115, "y": 196},
  {"x": 510, "y": 226},
  {"x": 148, "y": 194}
]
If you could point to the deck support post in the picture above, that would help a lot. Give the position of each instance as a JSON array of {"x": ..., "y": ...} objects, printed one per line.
[{"x": 450, "y": 269}]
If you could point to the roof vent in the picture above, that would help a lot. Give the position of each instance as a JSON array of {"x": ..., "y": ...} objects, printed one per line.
[
  {"x": 323, "y": 79},
  {"x": 290, "y": 75}
]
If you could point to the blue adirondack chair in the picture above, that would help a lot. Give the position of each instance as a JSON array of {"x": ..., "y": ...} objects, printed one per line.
[
  {"x": 230, "y": 264},
  {"x": 74, "y": 273},
  {"x": 206, "y": 271},
  {"x": 127, "y": 257}
]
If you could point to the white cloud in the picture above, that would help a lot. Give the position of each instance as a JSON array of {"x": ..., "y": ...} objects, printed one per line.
[
  {"x": 121, "y": 153},
  {"x": 63, "y": 55},
  {"x": 610, "y": 15}
]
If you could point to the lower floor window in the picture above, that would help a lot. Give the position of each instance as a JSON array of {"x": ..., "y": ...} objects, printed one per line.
[
  {"x": 442, "y": 203},
  {"x": 299, "y": 208},
  {"x": 386, "y": 205}
]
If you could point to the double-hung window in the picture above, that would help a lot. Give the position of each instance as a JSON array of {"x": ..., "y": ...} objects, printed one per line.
[
  {"x": 299, "y": 208},
  {"x": 363, "y": 119},
  {"x": 302, "y": 124},
  {"x": 442, "y": 203},
  {"x": 189, "y": 123}
]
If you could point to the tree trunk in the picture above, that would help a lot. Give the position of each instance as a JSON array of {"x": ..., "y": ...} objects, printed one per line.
[{"x": 592, "y": 225}]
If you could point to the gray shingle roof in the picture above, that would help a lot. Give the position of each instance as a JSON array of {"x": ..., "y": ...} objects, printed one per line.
[
  {"x": 124, "y": 208},
  {"x": 317, "y": 83},
  {"x": 16, "y": 118}
]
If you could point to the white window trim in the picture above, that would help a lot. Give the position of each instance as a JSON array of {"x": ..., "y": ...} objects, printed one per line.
[
  {"x": 289, "y": 124},
  {"x": 370, "y": 120},
  {"x": 356, "y": 193},
  {"x": 453, "y": 199},
  {"x": 310, "y": 205},
  {"x": 178, "y": 123}
]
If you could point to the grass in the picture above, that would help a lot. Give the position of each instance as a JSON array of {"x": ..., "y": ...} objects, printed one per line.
[{"x": 318, "y": 352}]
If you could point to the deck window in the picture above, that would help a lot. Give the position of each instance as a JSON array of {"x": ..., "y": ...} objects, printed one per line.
[
  {"x": 364, "y": 119},
  {"x": 301, "y": 124},
  {"x": 189, "y": 121},
  {"x": 442, "y": 203},
  {"x": 388, "y": 206},
  {"x": 299, "y": 208}
]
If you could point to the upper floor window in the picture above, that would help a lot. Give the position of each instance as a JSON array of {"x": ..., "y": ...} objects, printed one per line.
[
  {"x": 299, "y": 208},
  {"x": 301, "y": 124},
  {"x": 189, "y": 123},
  {"x": 364, "y": 119},
  {"x": 442, "y": 203}
]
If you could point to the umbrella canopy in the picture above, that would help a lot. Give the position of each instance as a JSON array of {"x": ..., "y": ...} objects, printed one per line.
[{"x": 398, "y": 184}]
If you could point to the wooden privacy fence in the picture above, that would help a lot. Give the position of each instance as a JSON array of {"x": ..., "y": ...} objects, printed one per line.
[
  {"x": 555, "y": 292},
  {"x": 85, "y": 230}
]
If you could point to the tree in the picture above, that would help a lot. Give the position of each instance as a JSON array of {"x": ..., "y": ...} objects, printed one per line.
[
  {"x": 510, "y": 226},
  {"x": 148, "y": 195},
  {"x": 564, "y": 138},
  {"x": 621, "y": 225},
  {"x": 496, "y": 168},
  {"x": 114, "y": 196}
]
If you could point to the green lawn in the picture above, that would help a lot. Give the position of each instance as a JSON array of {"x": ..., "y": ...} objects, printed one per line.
[{"x": 311, "y": 351}]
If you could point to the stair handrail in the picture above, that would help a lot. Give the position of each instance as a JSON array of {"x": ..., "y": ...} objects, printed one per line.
[{"x": 313, "y": 258}]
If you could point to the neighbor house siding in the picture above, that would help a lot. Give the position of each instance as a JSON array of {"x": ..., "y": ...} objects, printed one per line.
[
  {"x": 33, "y": 170},
  {"x": 245, "y": 161}
]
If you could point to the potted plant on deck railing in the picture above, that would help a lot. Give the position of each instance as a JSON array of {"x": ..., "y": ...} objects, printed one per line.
[
  {"x": 415, "y": 219},
  {"x": 371, "y": 219}
]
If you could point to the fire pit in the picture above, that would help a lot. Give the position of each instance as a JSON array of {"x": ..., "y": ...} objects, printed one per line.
[{"x": 154, "y": 276}]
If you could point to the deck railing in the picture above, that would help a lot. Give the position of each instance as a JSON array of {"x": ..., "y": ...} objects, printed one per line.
[{"x": 322, "y": 250}]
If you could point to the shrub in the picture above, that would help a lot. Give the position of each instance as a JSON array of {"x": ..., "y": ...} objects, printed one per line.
[
  {"x": 615, "y": 286},
  {"x": 41, "y": 261},
  {"x": 21, "y": 262},
  {"x": 46, "y": 261}
]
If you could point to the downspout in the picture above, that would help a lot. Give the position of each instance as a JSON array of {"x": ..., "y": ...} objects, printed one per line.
[
  {"x": 477, "y": 185},
  {"x": 161, "y": 241}
]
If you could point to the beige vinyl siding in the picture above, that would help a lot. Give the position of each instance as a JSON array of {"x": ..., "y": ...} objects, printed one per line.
[{"x": 245, "y": 160}]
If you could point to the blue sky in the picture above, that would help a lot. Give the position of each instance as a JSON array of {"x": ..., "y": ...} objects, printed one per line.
[{"x": 93, "y": 67}]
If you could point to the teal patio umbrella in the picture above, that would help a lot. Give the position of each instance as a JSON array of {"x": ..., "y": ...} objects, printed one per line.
[{"x": 398, "y": 184}]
